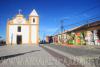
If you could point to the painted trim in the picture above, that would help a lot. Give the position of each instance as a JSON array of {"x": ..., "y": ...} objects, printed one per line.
[
  {"x": 30, "y": 42},
  {"x": 7, "y": 33},
  {"x": 33, "y": 16},
  {"x": 23, "y": 24},
  {"x": 37, "y": 31}
]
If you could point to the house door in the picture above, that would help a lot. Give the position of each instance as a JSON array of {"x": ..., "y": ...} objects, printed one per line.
[
  {"x": 98, "y": 34},
  {"x": 19, "y": 39}
]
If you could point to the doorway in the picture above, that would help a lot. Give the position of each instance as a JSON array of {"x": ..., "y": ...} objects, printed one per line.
[
  {"x": 19, "y": 39},
  {"x": 98, "y": 34}
]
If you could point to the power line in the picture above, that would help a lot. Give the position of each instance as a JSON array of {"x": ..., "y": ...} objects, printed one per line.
[
  {"x": 85, "y": 21},
  {"x": 80, "y": 22},
  {"x": 87, "y": 10},
  {"x": 62, "y": 26},
  {"x": 57, "y": 31}
]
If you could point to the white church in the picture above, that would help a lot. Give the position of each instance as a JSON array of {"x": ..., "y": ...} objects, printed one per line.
[{"x": 22, "y": 31}]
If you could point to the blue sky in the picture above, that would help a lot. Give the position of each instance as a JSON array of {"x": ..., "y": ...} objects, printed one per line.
[{"x": 50, "y": 12}]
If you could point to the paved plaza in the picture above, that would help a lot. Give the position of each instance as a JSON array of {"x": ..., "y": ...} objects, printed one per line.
[{"x": 26, "y": 56}]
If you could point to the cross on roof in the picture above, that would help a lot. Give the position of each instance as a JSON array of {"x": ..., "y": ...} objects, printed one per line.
[{"x": 20, "y": 11}]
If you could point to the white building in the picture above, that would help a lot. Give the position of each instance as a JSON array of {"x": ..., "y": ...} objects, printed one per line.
[{"x": 22, "y": 31}]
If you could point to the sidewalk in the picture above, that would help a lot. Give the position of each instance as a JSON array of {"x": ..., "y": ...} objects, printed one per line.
[{"x": 83, "y": 46}]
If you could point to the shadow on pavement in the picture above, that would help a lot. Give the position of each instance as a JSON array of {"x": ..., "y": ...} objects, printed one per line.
[{"x": 14, "y": 55}]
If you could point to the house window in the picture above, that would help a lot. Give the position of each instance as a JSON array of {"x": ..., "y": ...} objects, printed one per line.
[
  {"x": 33, "y": 20},
  {"x": 19, "y": 29}
]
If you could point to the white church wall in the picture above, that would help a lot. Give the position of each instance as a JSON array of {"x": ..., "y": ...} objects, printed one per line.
[
  {"x": 25, "y": 34},
  {"x": 34, "y": 33},
  {"x": 13, "y": 33}
]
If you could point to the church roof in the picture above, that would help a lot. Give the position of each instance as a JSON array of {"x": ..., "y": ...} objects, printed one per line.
[{"x": 33, "y": 13}]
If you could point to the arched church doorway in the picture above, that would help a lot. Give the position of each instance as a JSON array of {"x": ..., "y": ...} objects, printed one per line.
[{"x": 19, "y": 39}]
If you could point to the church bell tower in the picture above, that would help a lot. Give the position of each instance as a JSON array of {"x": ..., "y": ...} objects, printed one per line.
[{"x": 34, "y": 27}]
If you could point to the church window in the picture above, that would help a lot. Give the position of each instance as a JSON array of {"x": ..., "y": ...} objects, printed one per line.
[
  {"x": 33, "y": 20},
  {"x": 19, "y": 28}
]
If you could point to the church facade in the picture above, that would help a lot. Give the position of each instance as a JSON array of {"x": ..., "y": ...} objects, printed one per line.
[{"x": 22, "y": 31}]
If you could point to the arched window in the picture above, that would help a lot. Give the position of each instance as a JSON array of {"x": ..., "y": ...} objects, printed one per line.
[
  {"x": 33, "y": 20},
  {"x": 19, "y": 29}
]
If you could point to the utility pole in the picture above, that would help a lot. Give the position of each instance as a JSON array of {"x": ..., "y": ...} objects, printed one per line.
[
  {"x": 62, "y": 29},
  {"x": 62, "y": 26}
]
